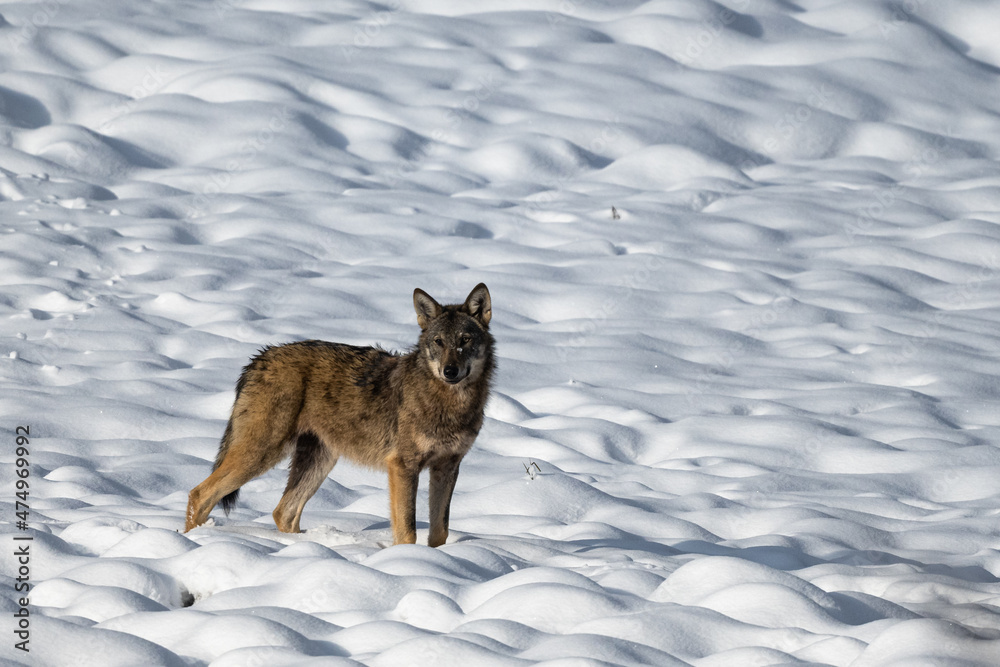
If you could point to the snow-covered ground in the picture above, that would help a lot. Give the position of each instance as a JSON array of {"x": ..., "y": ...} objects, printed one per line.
[{"x": 745, "y": 266}]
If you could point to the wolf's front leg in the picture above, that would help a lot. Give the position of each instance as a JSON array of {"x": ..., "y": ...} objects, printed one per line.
[
  {"x": 403, "y": 499},
  {"x": 444, "y": 474}
]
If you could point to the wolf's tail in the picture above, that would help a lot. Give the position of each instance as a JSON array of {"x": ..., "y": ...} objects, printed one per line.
[{"x": 228, "y": 501}]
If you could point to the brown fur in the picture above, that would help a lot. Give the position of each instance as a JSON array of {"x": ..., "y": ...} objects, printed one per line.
[{"x": 318, "y": 401}]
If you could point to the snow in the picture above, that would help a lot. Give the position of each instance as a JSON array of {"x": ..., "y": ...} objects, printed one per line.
[{"x": 749, "y": 420}]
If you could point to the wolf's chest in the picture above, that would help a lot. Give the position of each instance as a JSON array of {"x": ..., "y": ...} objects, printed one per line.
[{"x": 437, "y": 444}]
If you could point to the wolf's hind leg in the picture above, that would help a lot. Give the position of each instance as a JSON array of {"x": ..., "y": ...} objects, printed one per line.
[
  {"x": 252, "y": 445},
  {"x": 228, "y": 477},
  {"x": 311, "y": 463}
]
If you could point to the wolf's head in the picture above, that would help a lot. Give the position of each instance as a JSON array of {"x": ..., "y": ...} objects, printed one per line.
[{"x": 455, "y": 341}]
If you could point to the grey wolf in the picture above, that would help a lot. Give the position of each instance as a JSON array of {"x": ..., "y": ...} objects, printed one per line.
[{"x": 318, "y": 401}]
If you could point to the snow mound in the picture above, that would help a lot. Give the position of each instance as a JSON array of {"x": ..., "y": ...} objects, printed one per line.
[{"x": 744, "y": 260}]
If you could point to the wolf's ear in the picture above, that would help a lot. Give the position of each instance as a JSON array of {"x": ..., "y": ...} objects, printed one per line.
[
  {"x": 478, "y": 304},
  {"x": 427, "y": 308}
]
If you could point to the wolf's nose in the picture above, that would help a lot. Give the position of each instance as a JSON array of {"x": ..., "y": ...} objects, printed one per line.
[{"x": 450, "y": 372}]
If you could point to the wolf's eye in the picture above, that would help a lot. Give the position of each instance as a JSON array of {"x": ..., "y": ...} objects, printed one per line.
[
  {"x": 465, "y": 339},
  {"x": 439, "y": 342}
]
